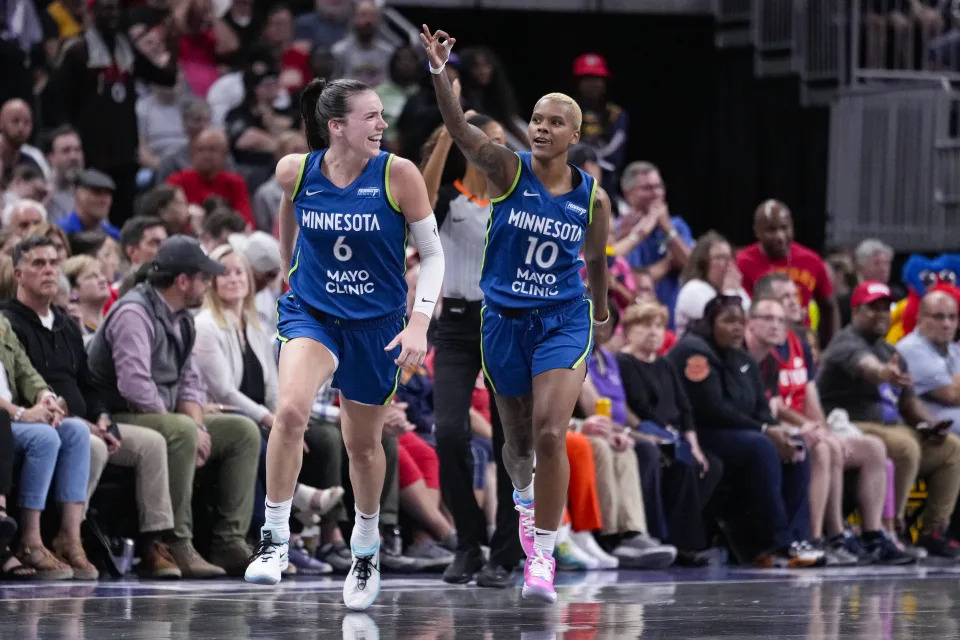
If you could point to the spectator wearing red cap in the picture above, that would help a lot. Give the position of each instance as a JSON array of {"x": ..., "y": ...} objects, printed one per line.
[
  {"x": 864, "y": 375},
  {"x": 605, "y": 124},
  {"x": 775, "y": 250}
]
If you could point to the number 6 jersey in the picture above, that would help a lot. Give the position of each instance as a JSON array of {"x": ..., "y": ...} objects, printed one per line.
[
  {"x": 532, "y": 258},
  {"x": 350, "y": 255}
]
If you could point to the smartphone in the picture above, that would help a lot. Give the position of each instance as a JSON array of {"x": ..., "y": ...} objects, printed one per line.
[{"x": 114, "y": 430}]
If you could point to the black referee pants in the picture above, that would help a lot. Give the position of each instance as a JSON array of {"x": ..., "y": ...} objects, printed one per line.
[{"x": 456, "y": 365}]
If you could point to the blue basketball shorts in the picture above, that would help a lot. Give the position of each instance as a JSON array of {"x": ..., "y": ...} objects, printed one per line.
[
  {"x": 518, "y": 344},
  {"x": 365, "y": 372}
]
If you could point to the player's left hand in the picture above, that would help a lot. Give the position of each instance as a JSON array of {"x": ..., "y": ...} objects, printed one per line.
[{"x": 412, "y": 341}]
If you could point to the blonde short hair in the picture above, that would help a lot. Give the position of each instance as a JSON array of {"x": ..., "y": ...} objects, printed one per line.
[
  {"x": 642, "y": 312},
  {"x": 564, "y": 98},
  {"x": 77, "y": 265}
]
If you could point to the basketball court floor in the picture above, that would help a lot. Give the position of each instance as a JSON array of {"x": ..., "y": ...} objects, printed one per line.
[{"x": 868, "y": 604}]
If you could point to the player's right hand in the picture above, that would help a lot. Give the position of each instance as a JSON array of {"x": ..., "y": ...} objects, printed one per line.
[{"x": 437, "y": 45}]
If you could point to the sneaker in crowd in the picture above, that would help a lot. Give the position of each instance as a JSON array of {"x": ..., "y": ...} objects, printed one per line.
[
  {"x": 799, "y": 555},
  {"x": 430, "y": 555},
  {"x": 835, "y": 553},
  {"x": 191, "y": 563},
  {"x": 233, "y": 556},
  {"x": 538, "y": 575},
  {"x": 269, "y": 560},
  {"x": 569, "y": 558},
  {"x": 156, "y": 563},
  {"x": 46, "y": 565},
  {"x": 362, "y": 585},
  {"x": 391, "y": 555},
  {"x": 588, "y": 544},
  {"x": 692, "y": 559},
  {"x": 359, "y": 626},
  {"x": 495, "y": 576},
  {"x": 883, "y": 550},
  {"x": 304, "y": 563},
  {"x": 526, "y": 525},
  {"x": 917, "y": 553},
  {"x": 465, "y": 564},
  {"x": 643, "y": 551},
  {"x": 851, "y": 544},
  {"x": 939, "y": 543},
  {"x": 337, "y": 555},
  {"x": 450, "y": 543},
  {"x": 74, "y": 555}
]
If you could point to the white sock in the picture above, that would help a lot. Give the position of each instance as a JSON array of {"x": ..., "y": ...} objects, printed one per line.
[
  {"x": 525, "y": 494},
  {"x": 544, "y": 541},
  {"x": 278, "y": 519},
  {"x": 366, "y": 531}
]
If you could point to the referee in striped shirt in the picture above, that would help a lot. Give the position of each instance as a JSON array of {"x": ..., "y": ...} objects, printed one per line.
[{"x": 459, "y": 196}]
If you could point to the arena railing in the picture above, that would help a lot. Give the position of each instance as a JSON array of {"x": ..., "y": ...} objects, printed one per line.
[{"x": 894, "y": 166}]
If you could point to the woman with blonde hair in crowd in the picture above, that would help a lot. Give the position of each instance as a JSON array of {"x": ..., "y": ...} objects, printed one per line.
[
  {"x": 675, "y": 493},
  {"x": 89, "y": 290},
  {"x": 236, "y": 359}
]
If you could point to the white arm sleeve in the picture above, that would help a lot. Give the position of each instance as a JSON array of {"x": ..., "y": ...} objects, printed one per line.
[{"x": 427, "y": 239}]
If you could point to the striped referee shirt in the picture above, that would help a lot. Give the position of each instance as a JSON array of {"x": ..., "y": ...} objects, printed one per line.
[{"x": 463, "y": 229}]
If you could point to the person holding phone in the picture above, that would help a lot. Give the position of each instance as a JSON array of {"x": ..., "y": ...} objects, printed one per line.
[
  {"x": 767, "y": 465},
  {"x": 870, "y": 379}
]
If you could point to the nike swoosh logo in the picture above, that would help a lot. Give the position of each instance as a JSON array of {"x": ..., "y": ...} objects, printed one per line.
[
  {"x": 531, "y": 195},
  {"x": 542, "y": 534},
  {"x": 456, "y": 219},
  {"x": 313, "y": 193},
  {"x": 427, "y": 301},
  {"x": 366, "y": 518}
]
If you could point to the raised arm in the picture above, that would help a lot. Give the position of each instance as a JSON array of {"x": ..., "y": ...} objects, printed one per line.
[
  {"x": 498, "y": 163},
  {"x": 288, "y": 176}
]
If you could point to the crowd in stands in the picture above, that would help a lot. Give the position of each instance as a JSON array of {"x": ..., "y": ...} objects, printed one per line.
[{"x": 740, "y": 396}]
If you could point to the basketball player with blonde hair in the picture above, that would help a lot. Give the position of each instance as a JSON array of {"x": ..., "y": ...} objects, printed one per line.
[{"x": 537, "y": 320}]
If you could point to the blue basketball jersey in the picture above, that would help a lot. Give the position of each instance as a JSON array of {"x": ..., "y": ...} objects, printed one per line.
[
  {"x": 350, "y": 255},
  {"x": 532, "y": 257}
]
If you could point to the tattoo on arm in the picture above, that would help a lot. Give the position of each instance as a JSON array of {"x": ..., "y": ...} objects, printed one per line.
[{"x": 491, "y": 158}]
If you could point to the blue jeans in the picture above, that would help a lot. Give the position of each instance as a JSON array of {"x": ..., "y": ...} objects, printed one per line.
[{"x": 61, "y": 454}]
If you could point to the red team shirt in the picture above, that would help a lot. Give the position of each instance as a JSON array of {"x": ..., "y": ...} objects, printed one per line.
[{"x": 803, "y": 266}]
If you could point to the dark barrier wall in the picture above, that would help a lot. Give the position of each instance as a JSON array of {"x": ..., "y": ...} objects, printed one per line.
[{"x": 724, "y": 139}]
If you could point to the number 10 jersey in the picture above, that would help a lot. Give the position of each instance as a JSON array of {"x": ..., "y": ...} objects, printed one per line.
[
  {"x": 532, "y": 256},
  {"x": 350, "y": 255}
]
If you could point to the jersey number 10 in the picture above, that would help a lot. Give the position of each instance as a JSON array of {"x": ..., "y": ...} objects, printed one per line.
[{"x": 545, "y": 254}]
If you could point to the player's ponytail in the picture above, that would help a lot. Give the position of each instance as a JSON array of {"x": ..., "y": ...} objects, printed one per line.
[{"x": 322, "y": 101}]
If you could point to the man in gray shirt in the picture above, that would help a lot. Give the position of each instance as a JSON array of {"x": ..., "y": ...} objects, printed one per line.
[
  {"x": 363, "y": 55},
  {"x": 141, "y": 363},
  {"x": 864, "y": 375},
  {"x": 934, "y": 357}
]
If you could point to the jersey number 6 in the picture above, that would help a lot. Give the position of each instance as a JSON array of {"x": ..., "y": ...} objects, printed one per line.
[
  {"x": 545, "y": 254},
  {"x": 342, "y": 251}
]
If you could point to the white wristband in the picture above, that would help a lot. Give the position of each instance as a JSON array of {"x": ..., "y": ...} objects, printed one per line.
[{"x": 448, "y": 46}]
